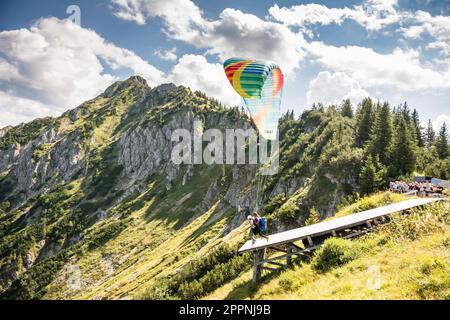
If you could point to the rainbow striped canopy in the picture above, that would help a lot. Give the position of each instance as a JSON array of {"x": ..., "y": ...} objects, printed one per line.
[
  {"x": 260, "y": 84},
  {"x": 249, "y": 76}
]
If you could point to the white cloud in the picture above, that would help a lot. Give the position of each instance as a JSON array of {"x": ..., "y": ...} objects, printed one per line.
[
  {"x": 168, "y": 55},
  {"x": 234, "y": 33},
  {"x": 437, "y": 27},
  {"x": 239, "y": 34},
  {"x": 372, "y": 14},
  {"x": 400, "y": 70},
  {"x": 58, "y": 64},
  {"x": 15, "y": 110},
  {"x": 311, "y": 13},
  {"x": 437, "y": 123},
  {"x": 442, "y": 46},
  {"x": 412, "y": 32},
  {"x": 330, "y": 88},
  {"x": 129, "y": 10},
  {"x": 196, "y": 72},
  {"x": 181, "y": 17}
]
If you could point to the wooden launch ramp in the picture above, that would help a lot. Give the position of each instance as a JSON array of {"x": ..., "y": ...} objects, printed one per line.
[{"x": 312, "y": 236}]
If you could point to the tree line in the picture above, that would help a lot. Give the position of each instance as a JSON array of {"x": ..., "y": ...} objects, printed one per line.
[{"x": 396, "y": 145}]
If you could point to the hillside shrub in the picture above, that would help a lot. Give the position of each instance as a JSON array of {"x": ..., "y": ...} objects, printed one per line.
[
  {"x": 418, "y": 222},
  {"x": 201, "y": 276},
  {"x": 191, "y": 290},
  {"x": 106, "y": 233},
  {"x": 335, "y": 252}
]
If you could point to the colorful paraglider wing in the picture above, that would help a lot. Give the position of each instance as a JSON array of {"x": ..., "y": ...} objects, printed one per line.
[
  {"x": 260, "y": 86},
  {"x": 266, "y": 110}
]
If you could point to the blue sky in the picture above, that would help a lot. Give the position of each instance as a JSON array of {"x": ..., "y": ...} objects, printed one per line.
[{"x": 328, "y": 50}]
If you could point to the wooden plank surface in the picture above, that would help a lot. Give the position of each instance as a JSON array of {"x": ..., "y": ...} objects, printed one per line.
[{"x": 335, "y": 224}]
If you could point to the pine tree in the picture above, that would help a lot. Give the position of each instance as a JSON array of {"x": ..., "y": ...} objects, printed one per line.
[
  {"x": 404, "y": 150},
  {"x": 417, "y": 128},
  {"x": 442, "y": 142},
  {"x": 430, "y": 135},
  {"x": 332, "y": 110},
  {"x": 364, "y": 120},
  {"x": 381, "y": 134},
  {"x": 312, "y": 218},
  {"x": 346, "y": 108},
  {"x": 371, "y": 176},
  {"x": 405, "y": 113},
  {"x": 320, "y": 107},
  {"x": 396, "y": 115}
]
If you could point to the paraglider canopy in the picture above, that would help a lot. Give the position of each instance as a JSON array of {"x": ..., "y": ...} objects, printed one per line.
[{"x": 260, "y": 85}]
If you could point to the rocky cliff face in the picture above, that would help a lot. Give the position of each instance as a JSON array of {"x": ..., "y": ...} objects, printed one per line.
[{"x": 100, "y": 177}]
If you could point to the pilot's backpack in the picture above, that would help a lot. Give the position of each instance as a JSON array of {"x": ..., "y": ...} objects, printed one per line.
[{"x": 262, "y": 224}]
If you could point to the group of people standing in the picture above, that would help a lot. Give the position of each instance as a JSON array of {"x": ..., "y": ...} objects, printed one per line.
[{"x": 422, "y": 188}]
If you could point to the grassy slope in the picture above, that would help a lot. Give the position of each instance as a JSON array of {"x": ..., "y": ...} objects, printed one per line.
[
  {"x": 151, "y": 245},
  {"x": 394, "y": 264}
]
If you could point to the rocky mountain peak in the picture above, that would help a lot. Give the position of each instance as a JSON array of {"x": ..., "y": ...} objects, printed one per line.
[
  {"x": 133, "y": 81},
  {"x": 137, "y": 79}
]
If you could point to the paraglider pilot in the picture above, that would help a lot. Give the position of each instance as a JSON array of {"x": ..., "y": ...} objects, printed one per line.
[{"x": 257, "y": 226}]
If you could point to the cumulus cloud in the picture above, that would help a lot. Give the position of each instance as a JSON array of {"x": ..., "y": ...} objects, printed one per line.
[
  {"x": 58, "y": 64},
  {"x": 311, "y": 13},
  {"x": 14, "y": 110},
  {"x": 330, "y": 88},
  {"x": 372, "y": 14},
  {"x": 168, "y": 55},
  {"x": 437, "y": 27},
  {"x": 239, "y": 34},
  {"x": 197, "y": 73},
  {"x": 400, "y": 70},
  {"x": 182, "y": 18},
  {"x": 234, "y": 33},
  {"x": 423, "y": 22}
]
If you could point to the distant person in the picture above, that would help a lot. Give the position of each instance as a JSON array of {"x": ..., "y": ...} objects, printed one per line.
[
  {"x": 257, "y": 226},
  {"x": 428, "y": 189}
]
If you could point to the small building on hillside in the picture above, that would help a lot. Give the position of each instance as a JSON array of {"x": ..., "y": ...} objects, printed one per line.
[
  {"x": 434, "y": 181},
  {"x": 441, "y": 183}
]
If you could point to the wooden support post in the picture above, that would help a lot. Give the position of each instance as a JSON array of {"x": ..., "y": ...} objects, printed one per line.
[
  {"x": 333, "y": 233},
  {"x": 369, "y": 224},
  {"x": 310, "y": 242},
  {"x": 289, "y": 256},
  {"x": 258, "y": 256}
]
